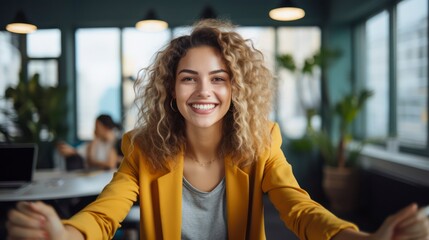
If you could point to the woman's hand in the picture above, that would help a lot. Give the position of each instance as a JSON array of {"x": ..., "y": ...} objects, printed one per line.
[
  {"x": 65, "y": 149},
  {"x": 408, "y": 223},
  {"x": 35, "y": 220}
]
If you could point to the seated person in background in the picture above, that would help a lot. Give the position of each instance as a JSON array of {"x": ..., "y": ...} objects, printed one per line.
[{"x": 100, "y": 153}]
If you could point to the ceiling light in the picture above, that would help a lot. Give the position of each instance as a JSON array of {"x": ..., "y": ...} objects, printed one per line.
[
  {"x": 151, "y": 23},
  {"x": 287, "y": 11},
  {"x": 20, "y": 24}
]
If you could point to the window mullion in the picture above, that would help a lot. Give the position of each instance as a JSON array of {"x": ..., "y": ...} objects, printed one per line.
[{"x": 393, "y": 130}]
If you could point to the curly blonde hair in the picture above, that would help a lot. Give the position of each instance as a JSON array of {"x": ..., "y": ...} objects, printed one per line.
[{"x": 160, "y": 131}]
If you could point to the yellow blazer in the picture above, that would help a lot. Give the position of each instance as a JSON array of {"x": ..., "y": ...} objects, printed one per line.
[{"x": 160, "y": 196}]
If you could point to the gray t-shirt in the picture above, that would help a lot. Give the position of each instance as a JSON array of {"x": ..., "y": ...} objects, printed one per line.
[{"x": 203, "y": 213}]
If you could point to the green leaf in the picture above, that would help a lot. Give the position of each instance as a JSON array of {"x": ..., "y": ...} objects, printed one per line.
[{"x": 287, "y": 62}]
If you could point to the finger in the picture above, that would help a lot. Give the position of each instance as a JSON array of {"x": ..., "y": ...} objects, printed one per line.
[
  {"x": 403, "y": 214},
  {"x": 407, "y": 222},
  {"x": 44, "y": 210},
  {"x": 26, "y": 208},
  {"x": 18, "y": 232},
  {"x": 420, "y": 215},
  {"x": 420, "y": 229},
  {"x": 18, "y": 218}
]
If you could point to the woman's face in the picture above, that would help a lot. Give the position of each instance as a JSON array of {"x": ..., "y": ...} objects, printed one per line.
[
  {"x": 101, "y": 131},
  {"x": 203, "y": 87}
]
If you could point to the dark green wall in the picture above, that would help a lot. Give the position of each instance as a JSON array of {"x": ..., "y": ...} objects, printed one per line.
[
  {"x": 339, "y": 73},
  {"x": 92, "y": 13},
  {"x": 349, "y": 11}
]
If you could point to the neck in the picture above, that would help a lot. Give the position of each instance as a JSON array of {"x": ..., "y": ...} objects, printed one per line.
[
  {"x": 203, "y": 145},
  {"x": 204, "y": 137}
]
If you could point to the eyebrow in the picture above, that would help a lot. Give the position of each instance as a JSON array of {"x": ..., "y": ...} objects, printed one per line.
[{"x": 196, "y": 73}]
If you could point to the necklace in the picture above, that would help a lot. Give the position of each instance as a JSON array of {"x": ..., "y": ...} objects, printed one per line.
[{"x": 202, "y": 164}]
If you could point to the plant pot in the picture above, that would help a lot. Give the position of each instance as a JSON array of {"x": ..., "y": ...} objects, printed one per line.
[{"x": 341, "y": 186}]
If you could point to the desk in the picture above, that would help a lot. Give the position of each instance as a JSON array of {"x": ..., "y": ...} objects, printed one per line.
[{"x": 51, "y": 185}]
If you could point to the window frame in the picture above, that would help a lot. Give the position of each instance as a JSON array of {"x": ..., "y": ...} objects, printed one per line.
[{"x": 359, "y": 45}]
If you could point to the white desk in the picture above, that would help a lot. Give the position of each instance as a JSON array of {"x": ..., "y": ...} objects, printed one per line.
[{"x": 51, "y": 185}]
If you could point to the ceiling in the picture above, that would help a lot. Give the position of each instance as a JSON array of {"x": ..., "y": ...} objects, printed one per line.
[{"x": 122, "y": 13}]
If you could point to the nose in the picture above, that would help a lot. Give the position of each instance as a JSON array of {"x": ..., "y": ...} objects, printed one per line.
[{"x": 204, "y": 87}]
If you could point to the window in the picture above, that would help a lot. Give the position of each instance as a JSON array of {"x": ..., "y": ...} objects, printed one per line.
[
  {"x": 44, "y": 43},
  {"x": 396, "y": 67},
  {"x": 180, "y": 31},
  {"x": 43, "y": 51},
  {"x": 411, "y": 72},
  {"x": 139, "y": 49},
  {"x": 48, "y": 70},
  {"x": 377, "y": 75},
  {"x": 10, "y": 64},
  {"x": 98, "y": 77},
  {"x": 263, "y": 39},
  {"x": 301, "y": 43},
  {"x": 42, "y": 56}
]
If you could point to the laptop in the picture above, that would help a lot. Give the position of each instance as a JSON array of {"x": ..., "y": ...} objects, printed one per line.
[{"x": 17, "y": 164}]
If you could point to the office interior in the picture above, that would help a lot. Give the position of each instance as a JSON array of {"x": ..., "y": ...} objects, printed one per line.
[{"x": 92, "y": 50}]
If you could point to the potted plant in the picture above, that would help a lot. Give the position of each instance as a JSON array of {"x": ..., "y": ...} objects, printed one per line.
[
  {"x": 37, "y": 115},
  {"x": 339, "y": 152},
  {"x": 309, "y": 78},
  {"x": 340, "y": 180}
]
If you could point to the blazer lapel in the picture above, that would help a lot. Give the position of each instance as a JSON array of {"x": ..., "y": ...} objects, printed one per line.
[
  {"x": 170, "y": 200},
  {"x": 237, "y": 198}
]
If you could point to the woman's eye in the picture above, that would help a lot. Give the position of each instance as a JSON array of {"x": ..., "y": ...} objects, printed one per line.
[
  {"x": 187, "y": 79},
  {"x": 218, "y": 79}
]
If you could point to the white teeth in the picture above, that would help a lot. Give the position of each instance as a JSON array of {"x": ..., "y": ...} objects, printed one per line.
[{"x": 203, "y": 106}]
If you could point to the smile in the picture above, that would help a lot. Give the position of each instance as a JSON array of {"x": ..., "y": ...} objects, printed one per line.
[{"x": 203, "y": 106}]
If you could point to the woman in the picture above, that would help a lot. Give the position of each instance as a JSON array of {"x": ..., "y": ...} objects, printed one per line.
[
  {"x": 202, "y": 157},
  {"x": 100, "y": 153}
]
